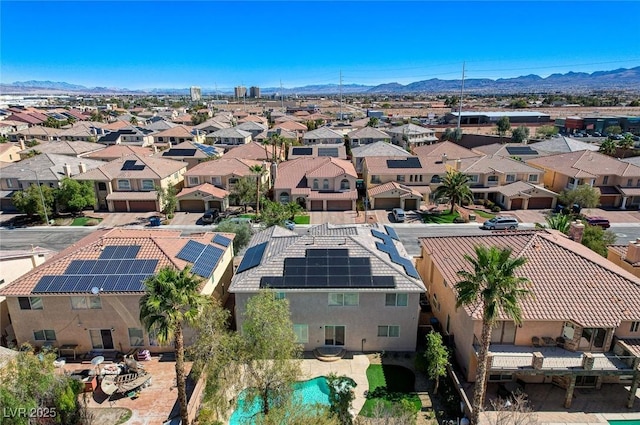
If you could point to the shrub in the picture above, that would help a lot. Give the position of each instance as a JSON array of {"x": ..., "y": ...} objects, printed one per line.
[
  {"x": 169, "y": 216},
  {"x": 459, "y": 220},
  {"x": 92, "y": 223},
  {"x": 488, "y": 204},
  {"x": 496, "y": 208}
]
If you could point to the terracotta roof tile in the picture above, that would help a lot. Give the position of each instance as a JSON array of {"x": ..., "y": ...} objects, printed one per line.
[
  {"x": 253, "y": 151},
  {"x": 154, "y": 168},
  {"x": 224, "y": 167},
  {"x": 291, "y": 173},
  {"x": 586, "y": 164},
  {"x": 205, "y": 188}
]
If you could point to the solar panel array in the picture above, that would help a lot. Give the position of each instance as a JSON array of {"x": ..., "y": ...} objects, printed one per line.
[
  {"x": 209, "y": 150},
  {"x": 252, "y": 257},
  {"x": 112, "y": 252},
  {"x": 179, "y": 152},
  {"x": 327, "y": 268},
  {"x": 302, "y": 151},
  {"x": 130, "y": 165},
  {"x": 391, "y": 232},
  {"x": 387, "y": 246},
  {"x": 221, "y": 240},
  {"x": 521, "y": 150},
  {"x": 204, "y": 257},
  {"x": 328, "y": 152},
  {"x": 410, "y": 162}
]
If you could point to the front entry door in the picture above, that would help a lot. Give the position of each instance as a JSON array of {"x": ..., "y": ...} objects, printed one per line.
[{"x": 334, "y": 335}]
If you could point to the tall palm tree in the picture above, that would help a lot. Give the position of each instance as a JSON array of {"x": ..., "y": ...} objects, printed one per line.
[
  {"x": 259, "y": 171},
  {"x": 608, "y": 147},
  {"x": 455, "y": 186},
  {"x": 172, "y": 300},
  {"x": 492, "y": 283},
  {"x": 626, "y": 144}
]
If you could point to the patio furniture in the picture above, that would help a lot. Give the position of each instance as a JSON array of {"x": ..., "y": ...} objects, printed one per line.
[
  {"x": 68, "y": 347},
  {"x": 535, "y": 341},
  {"x": 548, "y": 341}
]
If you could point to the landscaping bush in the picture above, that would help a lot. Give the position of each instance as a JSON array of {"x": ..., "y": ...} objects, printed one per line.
[
  {"x": 92, "y": 222},
  {"x": 496, "y": 208},
  {"x": 480, "y": 202},
  {"x": 489, "y": 204},
  {"x": 460, "y": 220}
]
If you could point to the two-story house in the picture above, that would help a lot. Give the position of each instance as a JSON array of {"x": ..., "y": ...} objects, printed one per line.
[
  {"x": 322, "y": 135},
  {"x": 317, "y": 184},
  {"x": 190, "y": 152},
  {"x": 618, "y": 181},
  {"x": 252, "y": 127},
  {"x": 367, "y": 136},
  {"x": 257, "y": 152},
  {"x": 178, "y": 134},
  {"x": 359, "y": 153},
  {"x": 229, "y": 137},
  {"x": 410, "y": 135},
  {"x": 130, "y": 183},
  {"x": 209, "y": 184},
  {"x": 580, "y": 325},
  {"x": 348, "y": 287},
  {"x": 86, "y": 298}
]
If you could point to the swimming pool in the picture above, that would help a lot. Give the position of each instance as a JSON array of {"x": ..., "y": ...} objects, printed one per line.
[
  {"x": 625, "y": 422},
  {"x": 313, "y": 391}
]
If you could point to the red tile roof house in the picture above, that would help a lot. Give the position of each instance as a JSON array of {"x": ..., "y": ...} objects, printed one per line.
[
  {"x": 360, "y": 299},
  {"x": 188, "y": 152},
  {"x": 86, "y": 298},
  {"x": 581, "y": 326},
  {"x": 256, "y": 151},
  {"x": 209, "y": 184},
  {"x": 128, "y": 184},
  {"x": 178, "y": 134},
  {"x": 317, "y": 184}
]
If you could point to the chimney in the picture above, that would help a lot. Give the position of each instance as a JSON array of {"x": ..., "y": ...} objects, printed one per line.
[
  {"x": 155, "y": 149},
  {"x": 170, "y": 145},
  {"x": 274, "y": 172},
  {"x": 67, "y": 170},
  {"x": 458, "y": 164},
  {"x": 444, "y": 158},
  {"x": 82, "y": 167},
  {"x": 633, "y": 252},
  {"x": 22, "y": 145},
  {"x": 576, "y": 230}
]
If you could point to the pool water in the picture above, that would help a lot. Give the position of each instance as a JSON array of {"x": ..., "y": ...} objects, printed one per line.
[
  {"x": 313, "y": 391},
  {"x": 625, "y": 422}
]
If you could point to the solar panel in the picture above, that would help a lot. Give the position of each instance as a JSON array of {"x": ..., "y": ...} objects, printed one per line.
[
  {"x": 73, "y": 267},
  {"x": 302, "y": 151},
  {"x": 67, "y": 283},
  {"x": 383, "y": 282},
  {"x": 149, "y": 266},
  {"x": 391, "y": 232},
  {"x": 221, "y": 240},
  {"x": 107, "y": 252},
  {"x": 252, "y": 257},
  {"x": 411, "y": 162},
  {"x": 87, "y": 266},
  {"x": 43, "y": 284},
  {"x": 111, "y": 267},
  {"x": 521, "y": 150},
  {"x": 191, "y": 251},
  {"x": 130, "y": 165},
  {"x": 124, "y": 267},
  {"x": 137, "y": 283},
  {"x": 207, "y": 261},
  {"x": 328, "y": 152},
  {"x": 389, "y": 248},
  {"x": 180, "y": 152},
  {"x": 83, "y": 284},
  {"x": 209, "y": 150}
]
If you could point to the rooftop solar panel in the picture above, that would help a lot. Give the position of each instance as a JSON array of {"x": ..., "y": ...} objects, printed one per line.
[
  {"x": 302, "y": 151},
  {"x": 43, "y": 284},
  {"x": 391, "y": 232},
  {"x": 73, "y": 267},
  {"x": 221, "y": 240},
  {"x": 252, "y": 257},
  {"x": 521, "y": 150},
  {"x": 410, "y": 162},
  {"x": 328, "y": 152},
  {"x": 191, "y": 251},
  {"x": 207, "y": 261},
  {"x": 180, "y": 152}
]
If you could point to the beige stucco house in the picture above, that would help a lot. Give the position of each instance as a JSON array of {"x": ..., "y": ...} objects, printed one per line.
[
  {"x": 343, "y": 291},
  {"x": 86, "y": 298}
]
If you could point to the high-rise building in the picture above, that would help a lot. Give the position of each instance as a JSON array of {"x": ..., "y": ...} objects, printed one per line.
[
  {"x": 196, "y": 94},
  {"x": 240, "y": 92},
  {"x": 254, "y": 92}
]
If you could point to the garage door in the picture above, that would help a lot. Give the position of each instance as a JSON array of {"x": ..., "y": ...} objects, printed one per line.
[
  {"x": 387, "y": 203},
  {"x": 410, "y": 204},
  {"x": 7, "y": 205},
  {"x": 120, "y": 206},
  {"x": 142, "y": 206},
  {"x": 216, "y": 204},
  {"x": 316, "y": 206},
  {"x": 540, "y": 203},
  {"x": 608, "y": 201},
  {"x": 516, "y": 204},
  {"x": 195, "y": 205},
  {"x": 343, "y": 205}
]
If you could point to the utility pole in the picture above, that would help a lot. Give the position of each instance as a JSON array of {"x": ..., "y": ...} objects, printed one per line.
[
  {"x": 281, "y": 97},
  {"x": 340, "y": 95},
  {"x": 461, "y": 93}
]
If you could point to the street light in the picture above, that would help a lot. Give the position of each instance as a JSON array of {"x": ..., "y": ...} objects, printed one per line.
[{"x": 44, "y": 206}]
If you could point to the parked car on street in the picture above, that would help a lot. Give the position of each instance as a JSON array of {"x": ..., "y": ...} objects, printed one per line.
[
  {"x": 599, "y": 221},
  {"x": 291, "y": 225},
  {"x": 210, "y": 216},
  {"x": 501, "y": 223},
  {"x": 398, "y": 215}
]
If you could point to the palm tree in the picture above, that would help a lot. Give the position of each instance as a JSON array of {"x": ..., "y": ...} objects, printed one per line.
[
  {"x": 494, "y": 285},
  {"x": 608, "y": 147},
  {"x": 626, "y": 144},
  {"x": 277, "y": 141},
  {"x": 173, "y": 299},
  {"x": 259, "y": 171},
  {"x": 133, "y": 121},
  {"x": 455, "y": 186},
  {"x": 558, "y": 221}
]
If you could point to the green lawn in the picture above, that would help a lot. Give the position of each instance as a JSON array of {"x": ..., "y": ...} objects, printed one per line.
[
  {"x": 302, "y": 219},
  {"x": 399, "y": 385},
  {"x": 445, "y": 218},
  {"x": 482, "y": 214},
  {"x": 82, "y": 221}
]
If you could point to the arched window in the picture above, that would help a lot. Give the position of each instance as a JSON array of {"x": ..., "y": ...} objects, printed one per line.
[
  {"x": 325, "y": 184},
  {"x": 284, "y": 198},
  {"x": 344, "y": 184},
  {"x": 436, "y": 179},
  {"x": 315, "y": 184}
]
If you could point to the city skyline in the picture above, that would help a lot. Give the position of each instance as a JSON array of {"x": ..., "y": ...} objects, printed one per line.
[{"x": 306, "y": 43}]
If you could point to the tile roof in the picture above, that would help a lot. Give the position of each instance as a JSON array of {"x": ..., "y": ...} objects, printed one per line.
[
  {"x": 177, "y": 131},
  {"x": 368, "y": 133},
  {"x": 378, "y": 165},
  {"x": 568, "y": 280},
  {"x": 282, "y": 244},
  {"x": 379, "y": 149},
  {"x": 450, "y": 149},
  {"x": 291, "y": 126},
  {"x": 224, "y": 167},
  {"x": 291, "y": 173},
  {"x": 499, "y": 164},
  {"x": 50, "y": 167},
  {"x": 633, "y": 344},
  {"x": 207, "y": 188},
  {"x": 563, "y": 144},
  {"x": 410, "y": 129},
  {"x": 521, "y": 188},
  {"x": 319, "y": 150},
  {"x": 253, "y": 151},
  {"x": 322, "y": 133},
  {"x": 161, "y": 245},
  {"x": 119, "y": 151},
  {"x": 404, "y": 190},
  {"x": 64, "y": 147},
  {"x": 175, "y": 153},
  {"x": 252, "y": 126},
  {"x": 154, "y": 168},
  {"x": 232, "y": 132},
  {"x": 586, "y": 164}
]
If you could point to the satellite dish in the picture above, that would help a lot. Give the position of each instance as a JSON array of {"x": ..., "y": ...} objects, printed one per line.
[{"x": 95, "y": 290}]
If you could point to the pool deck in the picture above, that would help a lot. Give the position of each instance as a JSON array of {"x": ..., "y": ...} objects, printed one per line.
[{"x": 355, "y": 367}]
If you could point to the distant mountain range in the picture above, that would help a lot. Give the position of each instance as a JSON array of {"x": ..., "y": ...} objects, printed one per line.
[{"x": 573, "y": 82}]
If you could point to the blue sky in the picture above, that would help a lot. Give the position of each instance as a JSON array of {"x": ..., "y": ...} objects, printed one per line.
[{"x": 169, "y": 44}]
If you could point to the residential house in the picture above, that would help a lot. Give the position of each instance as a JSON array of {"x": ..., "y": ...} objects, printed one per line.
[
  {"x": 82, "y": 131},
  {"x": 45, "y": 169},
  {"x": 292, "y": 126},
  {"x": 352, "y": 288},
  {"x": 398, "y": 182},
  {"x": 252, "y": 127},
  {"x": 618, "y": 181},
  {"x": 211, "y": 125},
  {"x": 257, "y": 152},
  {"x": 184, "y": 119},
  {"x": 580, "y": 325},
  {"x": 255, "y": 118},
  {"x": 130, "y": 183},
  {"x": 562, "y": 144},
  {"x": 266, "y": 135},
  {"x": 229, "y": 137},
  {"x": 626, "y": 256},
  {"x": 7, "y": 127},
  {"x": 158, "y": 125},
  {"x": 113, "y": 152},
  {"x": 222, "y": 173},
  {"x": 9, "y": 152},
  {"x": 314, "y": 151},
  {"x": 189, "y": 152},
  {"x": 322, "y": 135},
  {"x": 366, "y": 136},
  {"x": 77, "y": 149},
  {"x": 41, "y": 134},
  {"x": 30, "y": 118},
  {"x": 86, "y": 298},
  {"x": 359, "y": 153},
  {"x": 317, "y": 184},
  {"x": 409, "y": 136},
  {"x": 178, "y": 134}
]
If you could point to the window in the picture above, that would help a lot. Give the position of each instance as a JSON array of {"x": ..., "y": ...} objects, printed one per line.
[
  {"x": 284, "y": 197},
  {"x": 148, "y": 185},
  {"x": 629, "y": 182},
  {"x": 396, "y": 300},
  {"x": 124, "y": 185},
  {"x": 302, "y": 333},
  {"x": 315, "y": 184},
  {"x": 420, "y": 177},
  {"x": 233, "y": 180},
  {"x": 344, "y": 184},
  {"x": 375, "y": 179},
  {"x": 153, "y": 340},
  {"x": 325, "y": 184},
  {"x": 44, "y": 335},
  {"x": 511, "y": 178},
  {"x": 638, "y": 184},
  {"x": 492, "y": 179},
  {"x": 390, "y": 331},
  {"x": 84, "y": 303},
  {"x": 411, "y": 178},
  {"x": 160, "y": 139},
  {"x": 473, "y": 178},
  {"x": 136, "y": 338},
  {"x": 9, "y": 183},
  {"x": 30, "y": 303},
  {"x": 194, "y": 180},
  {"x": 340, "y": 299},
  {"x": 605, "y": 180},
  {"x": 436, "y": 303},
  {"x": 436, "y": 179},
  {"x": 102, "y": 186},
  {"x": 635, "y": 326},
  {"x": 533, "y": 178},
  {"x": 400, "y": 178}
]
